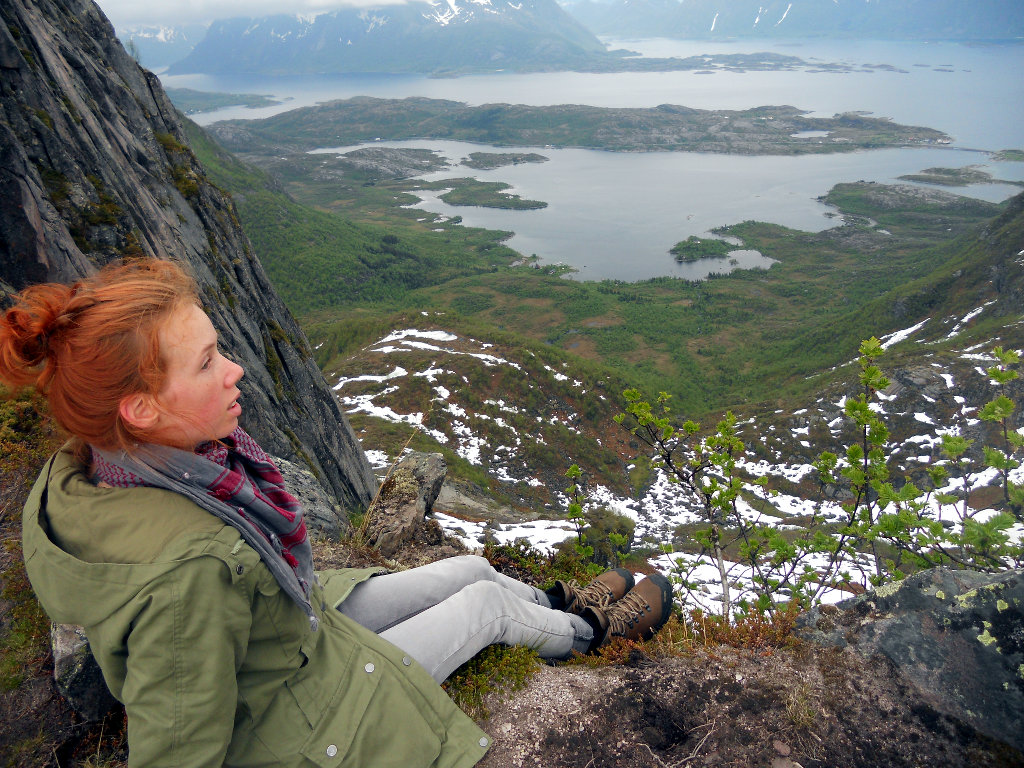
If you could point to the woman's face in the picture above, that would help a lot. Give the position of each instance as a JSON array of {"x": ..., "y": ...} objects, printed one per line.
[{"x": 199, "y": 399}]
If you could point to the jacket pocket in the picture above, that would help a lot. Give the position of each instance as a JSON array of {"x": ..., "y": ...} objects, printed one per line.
[{"x": 372, "y": 720}]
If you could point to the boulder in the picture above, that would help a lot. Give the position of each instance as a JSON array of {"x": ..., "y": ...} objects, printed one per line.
[
  {"x": 77, "y": 674},
  {"x": 406, "y": 497},
  {"x": 957, "y": 637}
]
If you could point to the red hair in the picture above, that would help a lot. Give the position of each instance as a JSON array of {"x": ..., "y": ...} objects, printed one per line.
[{"x": 88, "y": 345}]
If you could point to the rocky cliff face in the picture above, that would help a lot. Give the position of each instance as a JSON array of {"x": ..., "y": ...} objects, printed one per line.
[{"x": 95, "y": 166}]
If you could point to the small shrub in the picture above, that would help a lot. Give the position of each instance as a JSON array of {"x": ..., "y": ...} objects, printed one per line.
[{"x": 497, "y": 669}]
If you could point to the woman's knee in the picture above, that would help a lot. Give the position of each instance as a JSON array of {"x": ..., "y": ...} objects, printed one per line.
[
  {"x": 475, "y": 568},
  {"x": 484, "y": 594}
]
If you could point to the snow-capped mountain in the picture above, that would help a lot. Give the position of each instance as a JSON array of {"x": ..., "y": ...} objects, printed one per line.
[
  {"x": 876, "y": 19},
  {"x": 424, "y": 36},
  {"x": 158, "y": 45}
]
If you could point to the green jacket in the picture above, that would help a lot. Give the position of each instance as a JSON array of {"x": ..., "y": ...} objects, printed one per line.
[{"x": 214, "y": 663}]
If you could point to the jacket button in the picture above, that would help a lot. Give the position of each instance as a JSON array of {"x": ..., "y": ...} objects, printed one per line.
[
  {"x": 369, "y": 667},
  {"x": 406, "y": 660},
  {"x": 483, "y": 741},
  {"x": 239, "y": 569},
  {"x": 332, "y": 751}
]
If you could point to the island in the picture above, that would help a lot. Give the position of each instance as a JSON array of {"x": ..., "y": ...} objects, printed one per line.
[
  {"x": 956, "y": 177},
  {"x": 695, "y": 248},
  {"x": 192, "y": 102},
  {"x": 774, "y": 130},
  {"x": 487, "y": 161}
]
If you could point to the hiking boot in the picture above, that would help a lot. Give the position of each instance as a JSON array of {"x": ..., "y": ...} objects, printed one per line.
[
  {"x": 636, "y": 616},
  {"x": 610, "y": 586}
]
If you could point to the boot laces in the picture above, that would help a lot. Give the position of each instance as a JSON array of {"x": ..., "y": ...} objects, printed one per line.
[
  {"x": 626, "y": 613},
  {"x": 594, "y": 594}
]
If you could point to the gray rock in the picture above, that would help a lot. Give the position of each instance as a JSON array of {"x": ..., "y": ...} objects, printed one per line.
[
  {"x": 322, "y": 512},
  {"x": 957, "y": 637},
  {"x": 405, "y": 499},
  {"x": 77, "y": 674}
]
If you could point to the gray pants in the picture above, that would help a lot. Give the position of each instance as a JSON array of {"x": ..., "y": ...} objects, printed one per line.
[{"x": 444, "y": 613}]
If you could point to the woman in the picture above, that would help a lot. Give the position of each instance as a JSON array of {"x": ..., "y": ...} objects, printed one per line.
[{"x": 166, "y": 532}]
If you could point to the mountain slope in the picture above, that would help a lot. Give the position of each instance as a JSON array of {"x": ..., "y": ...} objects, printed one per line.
[
  {"x": 718, "y": 19},
  {"x": 412, "y": 37}
]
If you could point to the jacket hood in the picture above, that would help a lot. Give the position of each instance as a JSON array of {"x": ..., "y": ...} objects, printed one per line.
[{"x": 90, "y": 550}]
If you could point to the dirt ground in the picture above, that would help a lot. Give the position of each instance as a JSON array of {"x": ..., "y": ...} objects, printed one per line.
[{"x": 804, "y": 707}]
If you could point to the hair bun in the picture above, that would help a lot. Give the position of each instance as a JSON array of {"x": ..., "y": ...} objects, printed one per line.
[{"x": 28, "y": 329}]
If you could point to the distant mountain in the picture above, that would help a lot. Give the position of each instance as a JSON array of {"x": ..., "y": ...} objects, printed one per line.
[
  {"x": 888, "y": 20},
  {"x": 432, "y": 36},
  {"x": 157, "y": 46}
]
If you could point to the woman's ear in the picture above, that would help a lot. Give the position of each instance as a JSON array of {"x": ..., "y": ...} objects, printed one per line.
[{"x": 139, "y": 410}]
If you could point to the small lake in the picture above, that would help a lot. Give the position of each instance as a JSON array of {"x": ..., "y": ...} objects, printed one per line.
[{"x": 616, "y": 215}]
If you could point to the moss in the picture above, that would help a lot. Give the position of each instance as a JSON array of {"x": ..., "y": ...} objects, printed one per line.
[
  {"x": 25, "y": 645},
  {"x": 132, "y": 248},
  {"x": 71, "y": 109},
  {"x": 301, "y": 452},
  {"x": 277, "y": 332},
  {"x": 169, "y": 143},
  {"x": 225, "y": 289},
  {"x": 274, "y": 366},
  {"x": 891, "y": 588},
  {"x": 56, "y": 184},
  {"x": 498, "y": 669},
  {"x": 27, "y": 437},
  {"x": 45, "y": 118},
  {"x": 986, "y": 638},
  {"x": 185, "y": 181},
  {"x": 400, "y": 484}
]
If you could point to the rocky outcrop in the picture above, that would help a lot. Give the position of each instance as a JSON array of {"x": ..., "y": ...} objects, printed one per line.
[
  {"x": 95, "y": 166},
  {"x": 77, "y": 674},
  {"x": 406, "y": 498},
  {"x": 806, "y": 707},
  {"x": 957, "y": 637}
]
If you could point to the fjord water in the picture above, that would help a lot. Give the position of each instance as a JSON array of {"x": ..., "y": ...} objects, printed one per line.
[{"x": 615, "y": 215}]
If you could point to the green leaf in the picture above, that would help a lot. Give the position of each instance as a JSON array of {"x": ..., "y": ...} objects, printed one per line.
[
  {"x": 998, "y": 460},
  {"x": 997, "y": 410},
  {"x": 955, "y": 446},
  {"x": 1006, "y": 357},
  {"x": 871, "y": 348}
]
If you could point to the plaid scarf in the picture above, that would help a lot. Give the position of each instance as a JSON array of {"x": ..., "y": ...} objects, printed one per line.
[{"x": 235, "y": 480}]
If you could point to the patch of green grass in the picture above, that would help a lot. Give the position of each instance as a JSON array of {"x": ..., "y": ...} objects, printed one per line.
[
  {"x": 26, "y": 439},
  {"x": 25, "y": 644},
  {"x": 497, "y": 669}
]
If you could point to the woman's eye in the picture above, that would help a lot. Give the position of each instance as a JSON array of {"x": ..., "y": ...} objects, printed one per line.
[{"x": 206, "y": 363}]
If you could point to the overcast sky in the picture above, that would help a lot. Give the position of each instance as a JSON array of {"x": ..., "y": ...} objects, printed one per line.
[{"x": 124, "y": 12}]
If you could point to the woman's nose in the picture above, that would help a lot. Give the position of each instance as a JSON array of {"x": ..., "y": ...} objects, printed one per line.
[{"x": 235, "y": 373}]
